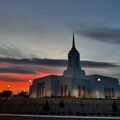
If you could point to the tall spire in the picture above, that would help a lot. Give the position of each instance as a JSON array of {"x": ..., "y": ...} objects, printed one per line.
[{"x": 73, "y": 44}]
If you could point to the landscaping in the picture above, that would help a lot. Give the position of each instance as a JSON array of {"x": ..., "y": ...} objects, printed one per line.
[{"x": 60, "y": 106}]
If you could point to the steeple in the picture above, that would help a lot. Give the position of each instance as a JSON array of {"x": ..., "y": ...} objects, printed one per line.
[
  {"x": 74, "y": 68},
  {"x": 73, "y": 44}
]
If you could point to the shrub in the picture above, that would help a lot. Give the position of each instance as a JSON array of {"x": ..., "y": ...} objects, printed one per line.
[
  {"x": 52, "y": 113},
  {"x": 84, "y": 114},
  {"x": 6, "y": 94},
  {"x": 78, "y": 113},
  {"x": 91, "y": 114},
  {"x": 98, "y": 114},
  {"x": 61, "y": 104},
  {"x": 114, "y": 107},
  {"x": 46, "y": 106},
  {"x": 82, "y": 105},
  {"x": 105, "y": 114},
  {"x": 58, "y": 113},
  {"x": 63, "y": 113},
  {"x": 70, "y": 113},
  {"x": 113, "y": 114}
]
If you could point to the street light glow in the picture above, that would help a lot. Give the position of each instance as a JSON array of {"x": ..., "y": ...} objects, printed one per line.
[
  {"x": 99, "y": 86},
  {"x": 8, "y": 87},
  {"x": 99, "y": 79},
  {"x": 30, "y": 81}
]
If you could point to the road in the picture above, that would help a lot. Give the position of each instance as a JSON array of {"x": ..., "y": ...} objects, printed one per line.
[{"x": 49, "y": 117}]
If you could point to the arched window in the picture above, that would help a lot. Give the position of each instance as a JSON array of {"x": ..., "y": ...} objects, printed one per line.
[
  {"x": 113, "y": 92},
  {"x": 83, "y": 91},
  {"x": 41, "y": 89},
  {"x": 61, "y": 90},
  {"x": 105, "y": 92},
  {"x": 79, "y": 90},
  {"x": 66, "y": 90},
  {"x": 109, "y": 93}
]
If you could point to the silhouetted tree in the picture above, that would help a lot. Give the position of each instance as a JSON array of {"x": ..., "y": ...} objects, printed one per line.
[
  {"x": 6, "y": 94},
  {"x": 61, "y": 104},
  {"x": 23, "y": 94},
  {"x": 46, "y": 106}
]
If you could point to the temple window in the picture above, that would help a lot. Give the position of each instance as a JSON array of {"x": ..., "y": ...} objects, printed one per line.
[
  {"x": 61, "y": 90},
  {"x": 83, "y": 91},
  {"x": 105, "y": 92},
  {"x": 41, "y": 90},
  {"x": 79, "y": 90},
  {"x": 113, "y": 92},
  {"x": 66, "y": 89}
]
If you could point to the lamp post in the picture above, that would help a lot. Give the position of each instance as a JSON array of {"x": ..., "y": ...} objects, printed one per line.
[
  {"x": 30, "y": 85},
  {"x": 30, "y": 81},
  {"x": 99, "y": 80}
]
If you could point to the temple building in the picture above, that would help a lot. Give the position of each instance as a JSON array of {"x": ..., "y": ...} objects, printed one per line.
[{"x": 74, "y": 82}]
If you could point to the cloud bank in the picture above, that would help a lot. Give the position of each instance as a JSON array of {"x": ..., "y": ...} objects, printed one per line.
[
  {"x": 16, "y": 70},
  {"x": 52, "y": 63},
  {"x": 11, "y": 79},
  {"x": 97, "y": 32}
]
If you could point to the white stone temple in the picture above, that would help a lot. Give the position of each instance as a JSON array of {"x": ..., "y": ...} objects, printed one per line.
[{"x": 74, "y": 82}]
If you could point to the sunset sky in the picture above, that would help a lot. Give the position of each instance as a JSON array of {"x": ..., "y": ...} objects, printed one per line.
[{"x": 36, "y": 36}]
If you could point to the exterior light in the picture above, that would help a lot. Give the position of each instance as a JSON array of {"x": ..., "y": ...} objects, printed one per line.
[
  {"x": 99, "y": 79},
  {"x": 99, "y": 86},
  {"x": 8, "y": 87},
  {"x": 30, "y": 81}
]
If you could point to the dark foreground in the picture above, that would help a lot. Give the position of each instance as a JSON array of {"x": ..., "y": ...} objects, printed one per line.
[
  {"x": 47, "y": 117},
  {"x": 60, "y": 106}
]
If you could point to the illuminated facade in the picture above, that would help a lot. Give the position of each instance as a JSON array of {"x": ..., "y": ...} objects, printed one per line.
[{"x": 75, "y": 83}]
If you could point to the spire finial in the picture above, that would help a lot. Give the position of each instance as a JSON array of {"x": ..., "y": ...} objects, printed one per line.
[{"x": 73, "y": 45}]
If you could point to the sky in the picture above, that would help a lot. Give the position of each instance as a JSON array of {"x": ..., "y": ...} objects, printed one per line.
[{"x": 36, "y": 36}]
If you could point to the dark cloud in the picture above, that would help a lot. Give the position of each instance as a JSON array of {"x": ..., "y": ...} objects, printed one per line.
[
  {"x": 52, "y": 63},
  {"x": 98, "y": 32},
  {"x": 36, "y": 61},
  {"x": 16, "y": 70},
  {"x": 11, "y": 79},
  {"x": 94, "y": 64},
  {"x": 13, "y": 51}
]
